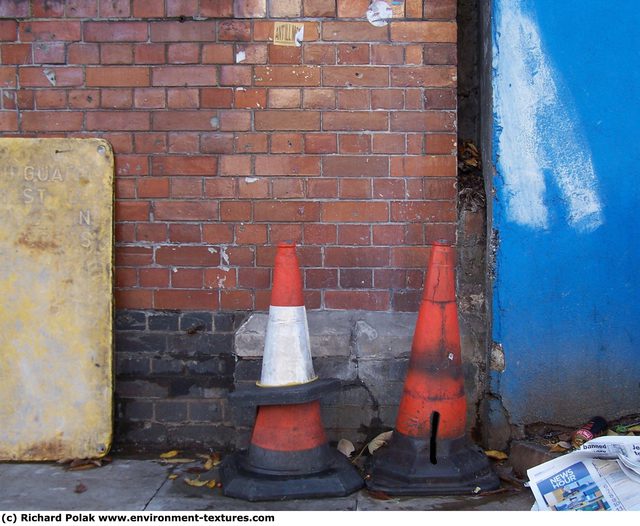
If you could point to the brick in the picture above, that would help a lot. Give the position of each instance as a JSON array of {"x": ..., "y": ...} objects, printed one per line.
[
  {"x": 253, "y": 188},
  {"x": 40, "y": 77},
  {"x": 285, "y": 8},
  {"x": 353, "y": 54},
  {"x": 8, "y": 121},
  {"x": 134, "y": 299},
  {"x": 117, "y": 120},
  {"x": 234, "y": 31},
  {"x": 356, "y": 300},
  {"x": 443, "y": 9},
  {"x": 320, "y": 278},
  {"x": 185, "y": 299},
  {"x": 424, "y": 166},
  {"x": 216, "y": 143},
  {"x": 294, "y": 165},
  {"x": 149, "y": 98},
  {"x": 354, "y": 121},
  {"x": 355, "y": 76},
  {"x": 216, "y": 98},
  {"x": 320, "y": 143},
  {"x": 184, "y": 76},
  {"x": 287, "y": 143},
  {"x": 184, "y": 165},
  {"x": 195, "y": 31},
  {"x": 411, "y": 211},
  {"x": 153, "y": 187},
  {"x": 154, "y": 277},
  {"x": 49, "y": 31},
  {"x": 132, "y": 211},
  {"x": 387, "y": 54},
  {"x": 356, "y": 279},
  {"x": 216, "y": 8},
  {"x": 84, "y": 99},
  {"x": 149, "y": 53},
  {"x": 186, "y": 187},
  {"x": 354, "y": 235},
  {"x": 444, "y": 188},
  {"x": 439, "y": 99},
  {"x": 319, "y": 99},
  {"x": 183, "y": 142},
  {"x": 8, "y": 30},
  {"x": 424, "y": 76},
  {"x": 355, "y": 166},
  {"x": 355, "y": 188},
  {"x": 184, "y": 8},
  {"x": 52, "y": 121},
  {"x": 423, "y": 32},
  {"x": 409, "y": 257},
  {"x": 16, "y": 53},
  {"x": 389, "y": 278},
  {"x": 114, "y": 8},
  {"x": 426, "y": 121},
  {"x": 251, "y": 53},
  {"x": 217, "y": 54},
  {"x": 388, "y": 143},
  {"x": 302, "y": 211},
  {"x": 250, "y": 8},
  {"x": 355, "y": 143},
  {"x": 284, "y": 55},
  {"x": 187, "y": 278},
  {"x": 364, "y": 257},
  {"x": 133, "y": 256},
  {"x": 49, "y": 52},
  {"x": 319, "y": 8},
  {"x": 235, "y": 211},
  {"x": 235, "y": 121},
  {"x": 413, "y": 8},
  {"x": 288, "y": 188},
  {"x": 287, "y": 120},
  {"x": 188, "y": 120},
  {"x": 353, "y": 32},
  {"x": 116, "y": 98},
  {"x": 217, "y": 233},
  {"x": 319, "y": 54},
  {"x": 251, "y": 234},
  {"x": 235, "y": 164},
  {"x": 187, "y": 256},
  {"x": 183, "y": 53},
  {"x": 51, "y": 99},
  {"x": 283, "y": 98},
  {"x": 355, "y": 211},
  {"x": 114, "y": 76},
  {"x": 349, "y": 99},
  {"x": 287, "y": 76},
  {"x": 352, "y": 8},
  {"x": 148, "y": 9},
  {"x": 115, "y": 31},
  {"x": 184, "y": 233},
  {"x": 116, "y": 54},
  {"x": 287, "y": 232},
  {"x": 440, "y": 144},
  {"x": 387, "y": 99},
  {"x": 440, "y": 54}
]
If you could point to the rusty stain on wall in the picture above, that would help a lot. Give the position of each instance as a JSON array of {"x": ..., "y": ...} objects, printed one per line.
[{"x": 56, "y": 252}]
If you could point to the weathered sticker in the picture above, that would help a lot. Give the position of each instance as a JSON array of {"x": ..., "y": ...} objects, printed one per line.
[
  {"x": 379, "y": 13},
  {"x": 288, "y": 34}
]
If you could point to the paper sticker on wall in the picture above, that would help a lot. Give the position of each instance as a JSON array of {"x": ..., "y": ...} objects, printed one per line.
[
  {"x": 288, "y": 34},
  {"x": 379, "y": 13}
]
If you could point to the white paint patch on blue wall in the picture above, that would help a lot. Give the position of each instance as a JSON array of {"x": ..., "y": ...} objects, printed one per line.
[{"x": 538, "y": 131}]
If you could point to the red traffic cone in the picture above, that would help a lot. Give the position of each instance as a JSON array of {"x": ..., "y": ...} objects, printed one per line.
[
  {"x": 289, "y": 455},
  {"x": 429, "y": 453}
]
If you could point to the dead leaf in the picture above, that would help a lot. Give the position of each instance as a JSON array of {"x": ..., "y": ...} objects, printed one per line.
[
  {"x": 212, "y": 461},
  {"x": 346, "y": 447},
  {"x": 173, "y": 476},
  {"x": 560, "y": 447},
  {"x": 178, "y": 461},
  {"x": 170, "y": 454},
  {"x": 381, "y": 440},
  {"x": 196, "y": 482},
  {"x": 634, "y": 429},
  {"x": 379, "y": 495},
  {"x": 80, "y": 488},
  {"x": 496, "y": 455},
  {"x": 212, "y": 483}
]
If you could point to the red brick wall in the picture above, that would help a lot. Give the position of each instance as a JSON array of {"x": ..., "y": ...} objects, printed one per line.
[{"x": 346, "y": 144}]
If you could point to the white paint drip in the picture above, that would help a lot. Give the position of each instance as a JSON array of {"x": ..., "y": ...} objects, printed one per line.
[
  {"x": 538, "y": 130},
  {"x": 50, "y": 75},
  {"x": 241, "y": 56},
  {"x": 250, "y": 180},
  {"x": 299, "y": 37},
  {"x": 224, "y": 258}
]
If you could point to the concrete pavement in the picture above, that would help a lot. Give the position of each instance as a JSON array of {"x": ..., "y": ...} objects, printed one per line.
[{"x": 134, "y": 484}]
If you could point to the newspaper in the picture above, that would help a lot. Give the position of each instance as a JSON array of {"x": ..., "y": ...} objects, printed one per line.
[{"x": 603, "y": 474}]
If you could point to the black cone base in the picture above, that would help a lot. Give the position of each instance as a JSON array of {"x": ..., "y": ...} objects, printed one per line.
[
  {"x": 405, "y": 467},
  {"x": 338, "y": 478}
]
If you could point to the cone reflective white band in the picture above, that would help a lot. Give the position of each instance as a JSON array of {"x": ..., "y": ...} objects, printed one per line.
[{"x": 287, "y": 351}]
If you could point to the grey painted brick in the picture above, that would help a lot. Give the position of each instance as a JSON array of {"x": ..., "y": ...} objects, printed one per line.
[
  {"x": 171, "y": 411},
  {"x": 248, "y": 370},
  {"x": 342, "y": 368},
  {"x": 196, "y": 322},
  {"x": 209, "y": 411},
  {"x": 132, "y": 409},
  {"x": 202, "y": 435},
  {"x": 199, "y": 343},
  {"x": 130, "y": 320},
  {"x": 132, "y": 365},
  {"x": 163, "y": 366},
  {"x": 140, "y": 342},
  {"x": 140, "y": 389},
  {"x": 153, "y": 436},
  {"x": 164, "y": 321}
]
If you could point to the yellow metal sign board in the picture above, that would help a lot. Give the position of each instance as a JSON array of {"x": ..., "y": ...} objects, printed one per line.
[{"x": 56, "y": 307}]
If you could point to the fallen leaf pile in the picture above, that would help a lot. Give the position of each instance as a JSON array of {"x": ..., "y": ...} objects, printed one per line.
[
  {"x": 81, "y": 464},
  {"x": 203, "y": 467}
]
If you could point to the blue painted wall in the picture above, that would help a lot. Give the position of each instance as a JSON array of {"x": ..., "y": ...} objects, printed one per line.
[{"x": 566, "y": 154}]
